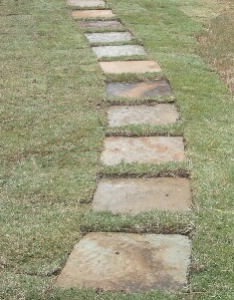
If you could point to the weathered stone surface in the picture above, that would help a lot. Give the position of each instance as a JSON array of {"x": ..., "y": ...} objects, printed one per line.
[
  {"x": 86, "y": 14},
  {"x": 154, "y": 150},
  {"x": 100, "y": 24},
  {"x": 139, "y": 89},
  {"x": 86, "y": 3},
  {"x": 109, "y": 37},
  {"x": 114, "y": 51},
  {"x": 119, "y": 67},
  {"x": 131, "y": 195},
  {"x": 128, "y": 262},
  {"x": 161, "y": 114}
]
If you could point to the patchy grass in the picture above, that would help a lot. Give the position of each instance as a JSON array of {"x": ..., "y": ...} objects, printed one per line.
[{"x": 52, "y": 133}]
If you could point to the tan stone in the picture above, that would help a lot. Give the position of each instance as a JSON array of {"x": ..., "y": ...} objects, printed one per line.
[
  {"x": 100, "y": 24},
  {"x": 138, "y": 89},
  {"x": 135, "y": 195},
  {"x": 86, "y": 14},
  {"x": 119, "y": 67},
  {"x": 161, "y": 114},
  {"x": 115, "y": 51},
  {"x": 128, "y": 262},
  {"x": 154, "y": 150},
  {"x": 86, "y": 3},
  {"x": 109, "y": 37}
]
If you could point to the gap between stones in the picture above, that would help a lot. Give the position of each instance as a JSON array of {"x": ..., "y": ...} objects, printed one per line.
[{"x": 105, "y": 260}]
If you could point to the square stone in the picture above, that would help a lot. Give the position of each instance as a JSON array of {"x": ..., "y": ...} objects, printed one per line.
[
  {"x": 100, "y": 24},
  {"x": 128, "y": 262},
  {"x": 88, "y": 14},
  {"x": 109, "y": 37},
  {"x": 135, "y": 195},
  {"x": 86, "y": 3},
  {"x": 155, "y": 150},
  {"x": 138, "y": 67},
  {"x": 139, "y": 89},
  {"x": 161, "y": 114},
  {"x": 114, "y": 51}
]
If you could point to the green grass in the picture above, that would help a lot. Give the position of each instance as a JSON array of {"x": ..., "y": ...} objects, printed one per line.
[{"x": 52, "y": 131}]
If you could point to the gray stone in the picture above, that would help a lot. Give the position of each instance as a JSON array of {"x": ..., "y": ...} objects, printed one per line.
[
  {"x": 100, "y": 24},
  {"x": 155, "y": 150},
  {"x": 89, "y": 14},
  {"x": 128, "y": 262},
  {"x": 86, "y": 3},
  {"x": 114, "y": 51},
  {"x": 135, "y": 195},
  {"x": 109, "y": 37},
  {"x": 161, "y": 114},
  {"x": 138, "y": 67},
  {"x": 139, "y": 89}
]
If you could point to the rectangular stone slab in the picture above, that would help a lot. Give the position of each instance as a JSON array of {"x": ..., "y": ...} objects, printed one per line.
[
  {"x": 138, "y": 67},
  {"x": 100, "y": 24},
  {"x": 155, "y": 150},
  {"x": 161, "y": 114},
  {"x": 86, "y": 3},
  {"x": 135, "y": 195},
  {"x": 108, "y": 37},
  {"x": 115, "y": 51},
  {"x": 128, "y": 262},
  {"x": 139, "y": 89},
  {"x": 88, "y": 14}
]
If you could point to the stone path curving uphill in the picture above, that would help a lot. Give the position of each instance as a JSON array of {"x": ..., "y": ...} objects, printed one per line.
[{"x": 126, "y": 261}]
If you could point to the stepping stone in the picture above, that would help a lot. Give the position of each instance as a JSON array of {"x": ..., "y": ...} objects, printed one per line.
[
  {"x": 119, "y": 67},
  {"x": 142, "y": 150},
  {"x": 86, "y": 3},
  {"x": 114, "y": 51},
  {"x": 161, "y": 114},
  {"x": 100, "y": 24},
  {"x": 139, "y": 89},
  {"x": 86, "y": 14},
  {"x": 109, "y": 37},
  {"x": 142, "y": 195},
  {"x": 128, "y": 262}
]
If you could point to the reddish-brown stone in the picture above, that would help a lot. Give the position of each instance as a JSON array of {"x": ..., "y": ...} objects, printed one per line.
[
  {"x": 155, "y": 150},
  {"x": 128, "y": 262}
]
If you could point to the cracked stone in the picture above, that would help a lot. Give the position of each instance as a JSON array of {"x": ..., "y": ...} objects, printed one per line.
[
  {"x": 161, "y": 114},
  {"x": 128, "y": 262},
  {"x": 100, "y": 24},
  {"x": 115, "y": 51},
  {"x": 135, "y": 195},
  {"x": 139, "y": 89},
  {"x": 120, "y": 67},
  {"x": 155, "y": 150},
  {"x": 86, "y": 3},
  {"x": 86, "y": 14},
  {"x": 109, "y": 37}
]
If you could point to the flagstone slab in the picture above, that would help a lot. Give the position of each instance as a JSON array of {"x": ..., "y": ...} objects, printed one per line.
[
  {"x": 128, "y": 262},
  {"x": 109, "y": 37},
  {"x": 100, "y": 24},
  {"x": 135, "y": 195},
  {"x": 114, "y": 51},
  {"x": 139, "y": 89},
  {"x": 120, "y": 67},
  {"x": 86, "y": 3},
  {"x": 155, "y": 150},
  {"x": 161, "y": 114},
  {"x": 96, "y": 13}
]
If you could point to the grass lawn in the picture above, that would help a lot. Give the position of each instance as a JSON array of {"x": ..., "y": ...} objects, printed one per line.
[{"x": 53, "y": 124}]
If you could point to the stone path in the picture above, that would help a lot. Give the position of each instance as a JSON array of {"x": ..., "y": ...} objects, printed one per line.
[{"x": 125, "y": 261}]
